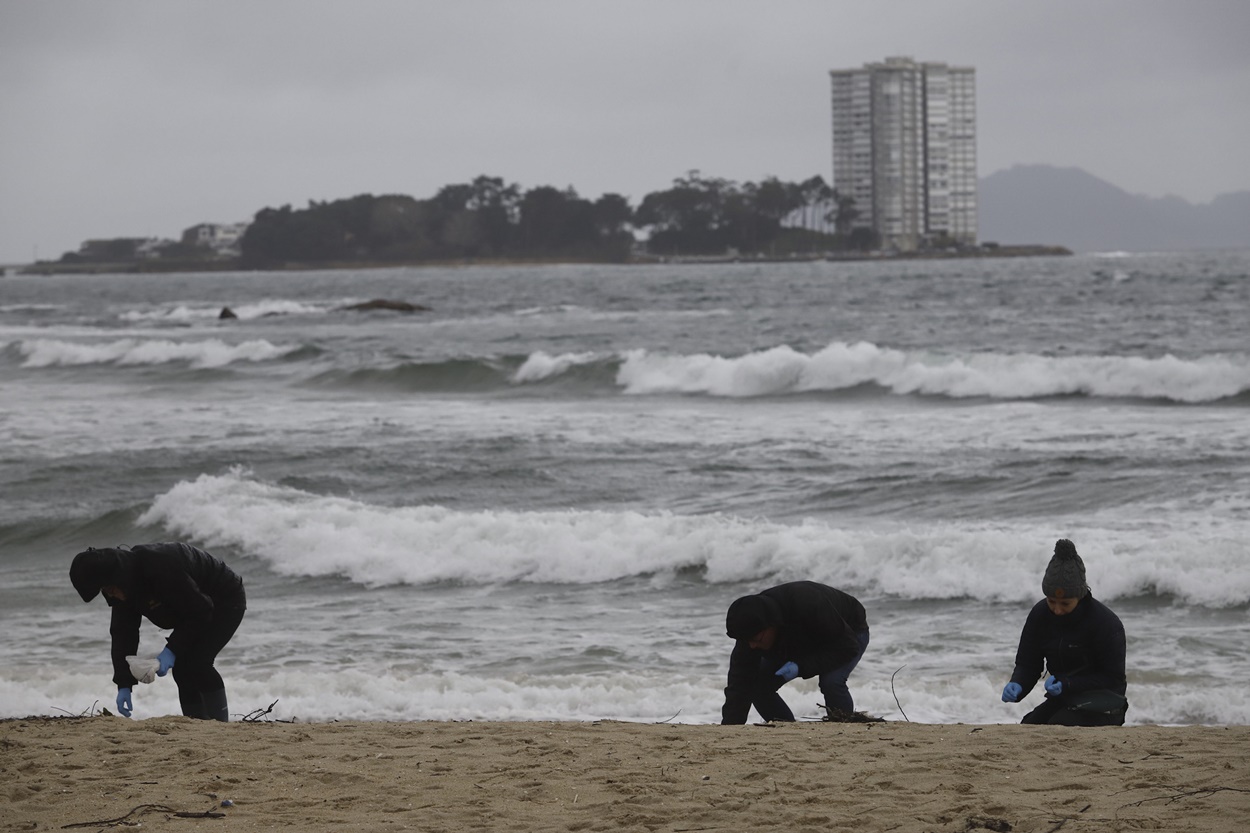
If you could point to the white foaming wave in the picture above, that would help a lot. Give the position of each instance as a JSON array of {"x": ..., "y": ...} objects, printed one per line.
[
  {"x": 619, "y": 315},
  {"x": 557, "y": 309},
  {"x": 782, "y": 370},
  {"x": 396, "y": 694},
  {"x": 298, "y": 533},
  {"x": 8, "y": 308},
  {"x": 191, "y": 312},
  {"x": 131, "y": 351},
  {"x": 383, "y": 692},
  {"x": 540, "y": 365}
]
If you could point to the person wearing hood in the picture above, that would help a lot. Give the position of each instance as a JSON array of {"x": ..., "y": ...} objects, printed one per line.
[
  {"x": 800, "y": 629},
  {"x": 175, "y": 586},
  {"x": 1081, "y": 644}
]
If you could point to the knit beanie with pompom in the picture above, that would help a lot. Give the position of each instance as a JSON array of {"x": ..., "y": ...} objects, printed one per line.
[{"x": 1065, "y": 574}]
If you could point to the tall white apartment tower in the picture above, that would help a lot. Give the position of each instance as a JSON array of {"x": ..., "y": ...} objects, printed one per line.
[{"x": 905, "y": 148}]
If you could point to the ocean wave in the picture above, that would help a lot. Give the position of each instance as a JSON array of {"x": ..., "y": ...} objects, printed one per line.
[
  {"x": 593, "y": 314},
  {"x": 302, "y": 534},
  {"x": 387, "y": 691},
  {"x": 835, "y": 370},
  {"x": 584, "y": 371},
  {"x": 186, "y": 313},
  {"x": 840, "y": 366},
  {"x": 540, "y": 366},
  {"x": 31, "y": 308},
  {"x": 38, "y": 353}
]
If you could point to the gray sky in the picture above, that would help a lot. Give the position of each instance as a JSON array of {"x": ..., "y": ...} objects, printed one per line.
[{"x": 136, "y": 118}]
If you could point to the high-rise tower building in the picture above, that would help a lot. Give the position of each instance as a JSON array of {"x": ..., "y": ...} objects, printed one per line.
[{"x": 905, "y": 148}]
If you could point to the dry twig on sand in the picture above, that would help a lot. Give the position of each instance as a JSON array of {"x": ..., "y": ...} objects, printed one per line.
[
  {"x": 142, "y": 809},
  {"x": 896, "y": 702},
  {"x": 1201, "y": 792},
  {"x": 256, "y": 715}
]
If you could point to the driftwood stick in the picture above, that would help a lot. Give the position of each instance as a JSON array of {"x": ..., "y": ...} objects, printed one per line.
[
  {"x": 90, "y": 711},
  {"x": 141, "y": 809},
  {"x": 207, "y": 814},
  {"x": 253, "y": 716},
  {"x": 147, "y": 808},
  {"x": 896, "y": 702},
  {"x": 1203, "y": 792}
]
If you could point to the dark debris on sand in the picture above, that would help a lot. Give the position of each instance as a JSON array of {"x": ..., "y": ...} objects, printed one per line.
[{"x": 839, "y": 716}]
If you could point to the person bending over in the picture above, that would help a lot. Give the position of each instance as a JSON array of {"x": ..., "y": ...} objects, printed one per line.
[
  {"x": 801, "y": 629},
  {"x": 1080, "y": 642},
  {"x": 175, "y": 586}
]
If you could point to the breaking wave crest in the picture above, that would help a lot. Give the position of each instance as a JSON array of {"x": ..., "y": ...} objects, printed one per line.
[
  {"x": 840, "y": 366},
  {"x": 298, "y": 533},
  {"x": 40, "y": 353},
  {"x": 780, "y": 371}
]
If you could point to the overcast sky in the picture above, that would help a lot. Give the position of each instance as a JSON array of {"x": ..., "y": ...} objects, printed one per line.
[{"x": 136, "y": 118}]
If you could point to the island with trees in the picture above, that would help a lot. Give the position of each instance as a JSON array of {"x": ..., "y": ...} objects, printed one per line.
[{"x": 489, "y": 220}]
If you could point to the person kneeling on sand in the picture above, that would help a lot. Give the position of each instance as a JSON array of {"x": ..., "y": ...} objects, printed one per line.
[
  {"x": 1081, "y": 643},
  {"x": 800, "y": 629},
  {"x": 175, "y": 586}
]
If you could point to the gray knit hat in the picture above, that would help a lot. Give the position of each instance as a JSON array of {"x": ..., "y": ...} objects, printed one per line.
[{"x": 1065, "y": 574}]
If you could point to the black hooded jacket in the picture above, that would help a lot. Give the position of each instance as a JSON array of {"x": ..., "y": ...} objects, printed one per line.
[
  {"x": 174, "y": 585},
  {"x": 1084, "y": 649},
  {"x": 817, "y": 628}
]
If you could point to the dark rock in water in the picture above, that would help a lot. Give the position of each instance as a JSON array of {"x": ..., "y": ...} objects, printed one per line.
[
  {"x": 382, "y": 303},
  {"x": 226, "y": 312}
]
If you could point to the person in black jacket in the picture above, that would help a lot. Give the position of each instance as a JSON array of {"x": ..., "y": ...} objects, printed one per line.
[
  {"x": 175, "y": 586},
  {"x": 800, "y": 629},
  {"x": 1080, "y": 642}
]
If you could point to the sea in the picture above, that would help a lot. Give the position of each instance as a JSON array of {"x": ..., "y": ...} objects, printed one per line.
[{"x": 535, "y": 498}]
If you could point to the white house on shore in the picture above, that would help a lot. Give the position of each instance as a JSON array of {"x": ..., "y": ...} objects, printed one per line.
[{"x": 223, "y": 239}]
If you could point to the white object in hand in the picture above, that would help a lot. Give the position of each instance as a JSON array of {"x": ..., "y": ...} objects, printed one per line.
[{"x": 144, "y": 668}]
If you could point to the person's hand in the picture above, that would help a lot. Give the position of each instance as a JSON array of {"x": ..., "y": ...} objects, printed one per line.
[
  {"x": 1012, "y": 692},
  {"x": 124, "y": 706},
  {"x": 1054, "y": 686},
  {"x": 788, "y": 671},
  {"x": 166, "y": 659}
]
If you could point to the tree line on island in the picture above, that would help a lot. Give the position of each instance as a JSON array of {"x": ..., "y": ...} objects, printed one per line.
[{"x": 488, "y": 219}]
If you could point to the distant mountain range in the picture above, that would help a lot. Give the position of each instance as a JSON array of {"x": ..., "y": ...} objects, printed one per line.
[{"x": 1069, "y": 207}]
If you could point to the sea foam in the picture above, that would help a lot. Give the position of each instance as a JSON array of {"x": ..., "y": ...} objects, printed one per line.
[
  {"x": 195, "y": 313},
  {"x": 383, "y": 692},
  {"x": 840, "y": 366},
  {"x": 302, "y": 534},
  {"x": 130, "y": 351}
]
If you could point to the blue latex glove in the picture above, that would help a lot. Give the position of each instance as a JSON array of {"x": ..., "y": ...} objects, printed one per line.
[
  {"x": 1054, "y": 687},
  {"x": 166, "y": 659},
  {"x": 1012, "y": 692},
  {"x": 788, "y": 671},
  {"x": 124, "y": 706}
]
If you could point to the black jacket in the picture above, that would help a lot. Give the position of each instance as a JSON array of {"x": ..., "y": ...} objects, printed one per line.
[
  {"x": 1083, "y": 649},
  {"x": 817, "y": 625},
  {"x": 175, "y": 586}
]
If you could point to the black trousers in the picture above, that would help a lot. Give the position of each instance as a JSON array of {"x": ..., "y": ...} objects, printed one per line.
[
  {"x": 1094, "y": 708},
  {"x": 193, "y": 670}
]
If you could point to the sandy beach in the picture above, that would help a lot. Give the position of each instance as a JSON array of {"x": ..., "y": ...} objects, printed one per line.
[{"x": 173, "y": 773}]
